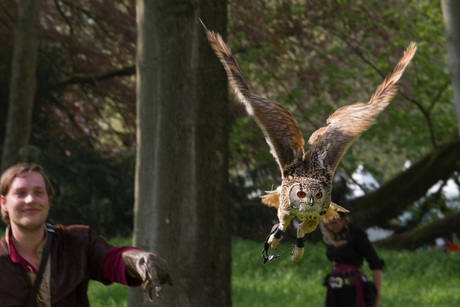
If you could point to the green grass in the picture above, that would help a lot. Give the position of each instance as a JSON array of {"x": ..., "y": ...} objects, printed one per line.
[
  {"x": 114, "y": 295},
  {"x": 422, "y": 278},
  {"x": 281, "y": 281}
]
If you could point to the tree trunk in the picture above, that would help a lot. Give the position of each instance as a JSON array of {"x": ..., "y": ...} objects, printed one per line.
[
  {"x": 392, "y": 199},
  {"x": 23, "y": 82},
  {"x": 451, "y": 16},
  {"x": 182, "y": 206}
]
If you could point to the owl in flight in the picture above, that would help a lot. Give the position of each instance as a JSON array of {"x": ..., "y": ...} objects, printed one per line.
[{"x": 305, "y": 190}]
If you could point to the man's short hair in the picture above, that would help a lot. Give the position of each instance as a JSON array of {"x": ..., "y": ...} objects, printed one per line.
[{"x": 14, "y": 171}]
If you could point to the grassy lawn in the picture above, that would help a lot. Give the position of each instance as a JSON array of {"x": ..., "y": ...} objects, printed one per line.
[
  {"x": 422, "y": 278},
  {"x": 115, "y": 295}
]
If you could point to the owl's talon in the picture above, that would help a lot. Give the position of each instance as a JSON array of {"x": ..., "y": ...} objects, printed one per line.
[
  {"x": 273, "y": 241},
  {"x": 297, "y": 253}
]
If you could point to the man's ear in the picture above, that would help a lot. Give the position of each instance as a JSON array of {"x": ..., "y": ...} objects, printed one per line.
[{"x": 3, "y": 203}]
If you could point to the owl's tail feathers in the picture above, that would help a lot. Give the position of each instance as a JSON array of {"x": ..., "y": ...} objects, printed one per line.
[
  {"x": 332, "y": 212},
  {"x": 272, "y": 198},
  {"x": 235, "y": 76}
]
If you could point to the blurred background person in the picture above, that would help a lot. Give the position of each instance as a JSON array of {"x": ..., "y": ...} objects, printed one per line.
[{"x": 347, "y": 245}]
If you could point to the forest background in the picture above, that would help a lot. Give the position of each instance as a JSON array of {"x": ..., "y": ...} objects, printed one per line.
[{"x": 309, "y": 56}]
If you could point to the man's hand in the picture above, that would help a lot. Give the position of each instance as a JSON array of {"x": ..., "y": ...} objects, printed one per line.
[{"x": 150, "y": 268}]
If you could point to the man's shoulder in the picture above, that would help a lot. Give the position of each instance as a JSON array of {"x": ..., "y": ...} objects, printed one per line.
[
  {"x": 79, "y": 241},
  {"x": 71, "y": 228},
  {"x": 73, "y": 232}
]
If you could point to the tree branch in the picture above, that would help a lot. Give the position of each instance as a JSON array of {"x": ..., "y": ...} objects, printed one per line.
[
  {"x": 439, "y": 95},
  {"x": 426, "y": 113},
  {"x": 423, "y": 209},
  {"x": 93, "y": 79},
  {"x": 425, "y": 234},
  {"x": 350, "y": 175},
  {"x": 64, "y": 16},
  {"x": 394, "y": 197},
  {"x": 90, "y": 15}
]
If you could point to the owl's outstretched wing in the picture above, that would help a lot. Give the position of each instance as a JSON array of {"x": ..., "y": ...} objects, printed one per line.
[
  {"x": 278, "y": 125},
  {"x": 330, "y": 143}
]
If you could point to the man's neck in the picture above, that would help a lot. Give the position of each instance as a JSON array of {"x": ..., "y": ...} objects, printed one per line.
[{"x": 27, "y": 241}]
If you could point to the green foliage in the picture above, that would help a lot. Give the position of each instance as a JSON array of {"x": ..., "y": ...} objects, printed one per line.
[
  {"x": 313, "y": 57},
  {"x": 81, "y": 41},
  {"x": 83, "y": 127},
  {"x": 120, "y": 241},
  {"x": 90, "y": 188},
  {"x": 410, "y": 279},
  {"x": 114, "y": 295}
]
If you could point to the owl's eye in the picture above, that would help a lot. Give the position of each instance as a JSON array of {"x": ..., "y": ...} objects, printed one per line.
[
  {"x": 319, "y": 195},
  {"x": 301, "y": 194}
]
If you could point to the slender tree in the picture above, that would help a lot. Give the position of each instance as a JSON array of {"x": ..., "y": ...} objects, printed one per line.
[
  {"x": 23, "y": 82},
  {"x": 181, "y": 196},
  {"x": 451, "y": 17}
]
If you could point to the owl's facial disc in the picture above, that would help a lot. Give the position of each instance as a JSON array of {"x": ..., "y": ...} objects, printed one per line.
[{"x": 306, "y": 200}]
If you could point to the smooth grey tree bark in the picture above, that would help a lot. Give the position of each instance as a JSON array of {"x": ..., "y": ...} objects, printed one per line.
[
  {"x": 22, "y": 83},
  {"x": 451, "y": 17},
  {"x": 182, "y": 206}
]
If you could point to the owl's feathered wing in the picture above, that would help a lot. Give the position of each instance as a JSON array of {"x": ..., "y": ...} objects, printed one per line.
[
  {"x": 328, "y": 144},
  {"x": 348, "y": 122},
  {"x": 278, "y": 125}
]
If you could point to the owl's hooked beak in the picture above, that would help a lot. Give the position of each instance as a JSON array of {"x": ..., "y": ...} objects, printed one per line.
[{"x": 303, "y": 206}]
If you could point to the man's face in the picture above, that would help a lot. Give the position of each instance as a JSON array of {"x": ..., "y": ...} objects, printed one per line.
[{"x": 27, "y": 202}]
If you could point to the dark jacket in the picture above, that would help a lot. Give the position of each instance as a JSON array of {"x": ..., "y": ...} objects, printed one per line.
[
  {"x": 77, "y": 255},
  {"x": 356, "y": 248}
]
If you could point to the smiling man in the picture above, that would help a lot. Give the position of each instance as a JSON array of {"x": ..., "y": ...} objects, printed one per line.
[{"x": 76, "y": 253}]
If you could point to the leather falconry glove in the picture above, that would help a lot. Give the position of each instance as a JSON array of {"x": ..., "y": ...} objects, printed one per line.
[{"x": 150, "y": 268}]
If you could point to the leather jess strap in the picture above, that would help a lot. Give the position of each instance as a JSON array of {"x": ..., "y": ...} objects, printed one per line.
[{"x": 31, "y": 300}]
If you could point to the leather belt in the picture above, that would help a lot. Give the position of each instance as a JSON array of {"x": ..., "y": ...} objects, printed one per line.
[{"x": 339, "y": 282}]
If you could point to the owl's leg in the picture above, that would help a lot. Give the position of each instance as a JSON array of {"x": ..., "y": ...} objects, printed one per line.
[
  {"x": 276, "y": 237},
  {"x": 306, "y": 226}
]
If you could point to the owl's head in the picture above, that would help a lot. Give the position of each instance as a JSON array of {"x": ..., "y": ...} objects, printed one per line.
[{"x": 308, "y": 199}]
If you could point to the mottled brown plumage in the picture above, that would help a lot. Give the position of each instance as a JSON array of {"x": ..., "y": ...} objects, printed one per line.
[{"x": 305, "y": 190}]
